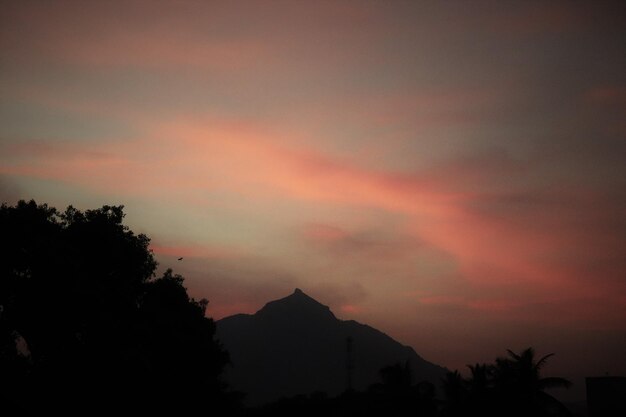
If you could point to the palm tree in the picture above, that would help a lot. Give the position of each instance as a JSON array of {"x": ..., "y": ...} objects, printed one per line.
[
  {"x": 480, "y": 379},
  {"x": 455, "y": 394},
  {"x": 397, "y": 376},
  {"x": 518, "y": 383},
  {"x": 480, "y": 388}
]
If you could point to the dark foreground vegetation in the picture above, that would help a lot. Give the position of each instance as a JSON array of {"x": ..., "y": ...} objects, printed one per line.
[
  {"x": 512, "y": 386},
  {"x": 87, "y": 328}
]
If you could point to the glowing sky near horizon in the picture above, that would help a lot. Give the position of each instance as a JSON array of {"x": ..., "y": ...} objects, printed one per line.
[{"x": 451, "y": 174}]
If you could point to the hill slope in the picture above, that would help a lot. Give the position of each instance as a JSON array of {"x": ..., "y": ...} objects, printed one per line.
[{"x": 296, "y": 345}]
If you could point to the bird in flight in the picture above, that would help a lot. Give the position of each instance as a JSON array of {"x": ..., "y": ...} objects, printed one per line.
[{"x": 180, "y": 259}]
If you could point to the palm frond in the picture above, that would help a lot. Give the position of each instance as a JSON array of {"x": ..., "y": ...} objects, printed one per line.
[
  {"x": 554, "y": 382},
  {"x": 514, "y": 355},
  {"x": 543, "y": 360}
]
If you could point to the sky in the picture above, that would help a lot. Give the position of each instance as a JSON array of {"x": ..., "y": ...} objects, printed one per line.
[{"x": 451, "y": 173}]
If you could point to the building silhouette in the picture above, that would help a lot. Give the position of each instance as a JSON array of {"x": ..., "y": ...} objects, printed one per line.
[{"x": 606, "y": 396}]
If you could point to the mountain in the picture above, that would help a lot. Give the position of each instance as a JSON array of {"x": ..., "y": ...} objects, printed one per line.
[{"x": 296, "y": 345}]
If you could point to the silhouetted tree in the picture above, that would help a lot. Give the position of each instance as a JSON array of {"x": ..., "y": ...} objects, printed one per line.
[
  {"x": 455, "y": 394},
  {"x": 396, "y": 395},
  {"x": 512, "y": 386},
  {"x": 85, "y": 324},
  {"x": 397, "y": 376},
  {"x": 479, "y": 389},
  {"x": 518, "y": 383}
]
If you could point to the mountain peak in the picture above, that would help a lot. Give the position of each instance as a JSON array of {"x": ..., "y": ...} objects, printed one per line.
[
  {"x": 295, "y": 345},
  {"x": 295, "y": 306}
]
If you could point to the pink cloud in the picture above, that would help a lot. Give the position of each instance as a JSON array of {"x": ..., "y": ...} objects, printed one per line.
[
  {"x": 493, "y": 305},
  {"x": 351, "y": 309},
  {"x": 479, "y": 205},
  {"x": 318, "y": 232},
  {"x": 133, "y": 40},
  {"x": 228, "y": 309},
  {"x": 442, "y": 300},
  {"x": 168, "y": 54},
  {"x": 498, "y": 239},
  {"x": 198, "y": 38},
  {"x": 362, "y": 245}
]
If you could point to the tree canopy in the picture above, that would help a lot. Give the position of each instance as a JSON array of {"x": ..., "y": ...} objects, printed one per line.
[
  {"x": 85, "y": 322},
  {"x": 512, "y": 386}
]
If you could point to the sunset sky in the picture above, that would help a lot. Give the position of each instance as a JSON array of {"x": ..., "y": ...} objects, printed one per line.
[{"x": 451, "y": 173}]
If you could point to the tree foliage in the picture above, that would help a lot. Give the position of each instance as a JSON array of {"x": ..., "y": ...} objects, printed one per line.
[
  {"x": 512, "y": 386},
  {"x": 84, "y": 321}
]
